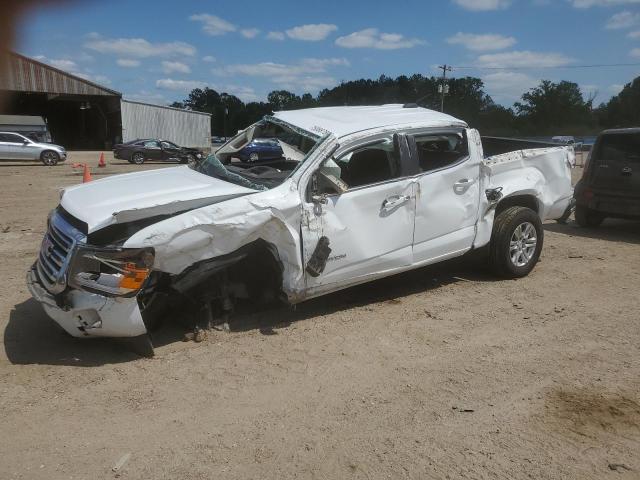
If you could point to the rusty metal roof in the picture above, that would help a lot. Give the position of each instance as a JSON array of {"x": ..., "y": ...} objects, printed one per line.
[{"x": 24, "y": 74}]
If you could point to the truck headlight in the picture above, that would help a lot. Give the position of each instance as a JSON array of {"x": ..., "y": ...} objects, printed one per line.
[{"x": 118, "y": 272}]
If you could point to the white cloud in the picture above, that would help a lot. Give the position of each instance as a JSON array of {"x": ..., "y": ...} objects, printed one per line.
[
  {"x": 208, "y": 59},
  {"x": 128, "y": 62},
  {"x": 634, "y": 35},
  {"x": 311, "y": 33},
  {"x": 623, "y": 20},
  {"x": 309, "y": 74},
  {"x": 615, "y": 89},
  {"x": 139, "y": 47},
  {"x": 523, "y": 59},
  {"x": 213, "y": 25},
  {"x": 179, "y": 85},
  {"x": 482, "y": 43},
  {"x": 601, "y": 3},
  {"x": 275, "y": 36},
  {"x": 483, "y": 5},
  {"x": 307, "y": 83},
  {"x": 635, "y": 53},
  {"x": 146, "y": 97},
  {"x": 246, "y": 94},
  {"x": 100, "y": 79},
  {"x": 171, "y": 67},
  {"x": 373, "y": 38},
  {"x": 249, "y": 32},
  {"x": 508, "y": 87},
  {"x": 269, "y": 69}
]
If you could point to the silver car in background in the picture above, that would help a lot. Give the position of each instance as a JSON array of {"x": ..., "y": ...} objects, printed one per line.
[{"x": 14, "y": 146}]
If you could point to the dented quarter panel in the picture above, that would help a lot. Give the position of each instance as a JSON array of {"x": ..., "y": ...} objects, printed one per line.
[{"x": 544, "y": 173}]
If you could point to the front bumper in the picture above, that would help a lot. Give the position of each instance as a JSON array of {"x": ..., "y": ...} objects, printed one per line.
[{"x": 84, "y": 314}]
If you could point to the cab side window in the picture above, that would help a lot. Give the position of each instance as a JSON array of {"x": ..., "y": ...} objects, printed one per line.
[
  {"x": 152, "y": 144},
  {"x": 436, "y": 151},
  {"x": 367, "y": 165}
]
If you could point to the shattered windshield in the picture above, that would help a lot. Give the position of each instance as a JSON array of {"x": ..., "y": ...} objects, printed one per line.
[{"x": 262, "y": 156}]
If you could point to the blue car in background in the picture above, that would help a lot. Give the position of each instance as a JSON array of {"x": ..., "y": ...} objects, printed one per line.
[{"x": 261, "y": 149}]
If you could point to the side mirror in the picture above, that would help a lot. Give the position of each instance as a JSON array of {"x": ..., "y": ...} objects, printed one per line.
[{"x": 319, "y": 199}]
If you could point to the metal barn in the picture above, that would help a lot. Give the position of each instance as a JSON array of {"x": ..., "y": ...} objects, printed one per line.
[
  {"x": 184, "y": 127},
  {"x": 83, "y": 115}
]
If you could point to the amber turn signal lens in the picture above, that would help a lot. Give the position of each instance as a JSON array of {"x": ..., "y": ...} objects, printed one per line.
[{"x": 133, "y": 277}]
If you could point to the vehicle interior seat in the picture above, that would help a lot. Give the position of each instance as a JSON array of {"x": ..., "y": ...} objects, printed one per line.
[
  {"x": 366, "y": 167},
  {"x": 437, "y": 154}
]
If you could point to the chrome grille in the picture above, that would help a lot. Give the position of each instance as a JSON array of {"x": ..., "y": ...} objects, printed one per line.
[{"x": 56, "y": 252}]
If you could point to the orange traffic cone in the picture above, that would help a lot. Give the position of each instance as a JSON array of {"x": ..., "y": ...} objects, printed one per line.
[
  {"x": 86, "y": 174},
  {"x": 102, "y": 163}
]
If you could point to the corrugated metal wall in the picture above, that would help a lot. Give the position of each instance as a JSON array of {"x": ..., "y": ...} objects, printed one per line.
[
  {"x": 24, "y": 74},
  {"x": 187, "y": 129}
]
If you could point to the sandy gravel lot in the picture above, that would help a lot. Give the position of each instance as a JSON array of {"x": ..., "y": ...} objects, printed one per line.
[{"x": 441, "y": 373}]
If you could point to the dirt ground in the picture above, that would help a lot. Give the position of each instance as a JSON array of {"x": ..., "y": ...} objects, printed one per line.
[{"x": 442, "y": 373}]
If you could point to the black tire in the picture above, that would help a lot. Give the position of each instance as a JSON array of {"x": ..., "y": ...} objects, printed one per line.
[
  {"x": 501, "y": 254},
  {"x": 49, "y": 158},
  {"x": 585, "y": 217},
  {"x": 137, "y": 158}
]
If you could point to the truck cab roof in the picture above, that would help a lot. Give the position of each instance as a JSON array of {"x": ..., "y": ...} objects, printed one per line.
[{"x": 343, "y": 121}]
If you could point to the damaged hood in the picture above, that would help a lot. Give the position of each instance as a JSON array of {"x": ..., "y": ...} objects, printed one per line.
[{"x": 134, "y": 196}]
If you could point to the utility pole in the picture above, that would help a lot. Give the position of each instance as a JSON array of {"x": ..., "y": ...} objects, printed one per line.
[{"x": 443, "y": 89}]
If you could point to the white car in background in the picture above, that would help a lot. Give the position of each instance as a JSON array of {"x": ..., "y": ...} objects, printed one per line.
[
  {"x": 361, "y": 193},
  {"x": 14, "y": 146}
]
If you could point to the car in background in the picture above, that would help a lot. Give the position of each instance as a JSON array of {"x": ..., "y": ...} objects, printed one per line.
[
  {"x": 14, "y": 146},
  {"x": 140, "y": 150},
  {"x": 610, "y": 183},
  {"x": 564, "y": 139},
  {"x": 260, "y": 149}
]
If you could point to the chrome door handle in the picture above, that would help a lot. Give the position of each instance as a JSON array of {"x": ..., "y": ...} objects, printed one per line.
[
  {"x": 463, "y": 185},
  {"x": 395, "y": 200}
]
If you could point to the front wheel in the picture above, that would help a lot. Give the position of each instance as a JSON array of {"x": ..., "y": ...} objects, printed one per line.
[
  {"x": 137, "y": 158},
  {"x": 49, "y": 158},
  {"x": 254, "y": 157},
  {"x": 516, "y": 242},
  {"x": 585, "y": 217}
]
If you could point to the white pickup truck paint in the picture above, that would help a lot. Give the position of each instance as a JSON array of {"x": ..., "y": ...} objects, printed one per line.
[{"x": 388, "y": 225}]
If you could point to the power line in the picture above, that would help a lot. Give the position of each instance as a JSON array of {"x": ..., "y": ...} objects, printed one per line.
[{"x": 546, "y": 67}]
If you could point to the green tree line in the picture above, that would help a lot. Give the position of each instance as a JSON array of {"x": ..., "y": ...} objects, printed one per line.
[{"x": 551, "y": 108}]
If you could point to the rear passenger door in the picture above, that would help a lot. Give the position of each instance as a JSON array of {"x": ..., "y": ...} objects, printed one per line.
[{"x": 447, "y": 196}]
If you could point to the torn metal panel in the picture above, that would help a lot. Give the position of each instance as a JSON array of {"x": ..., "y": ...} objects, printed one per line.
[{"x": 544, "y": 174}]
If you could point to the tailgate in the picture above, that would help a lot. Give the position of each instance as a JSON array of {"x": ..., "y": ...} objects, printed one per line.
[{"x": 615, "y": 163}]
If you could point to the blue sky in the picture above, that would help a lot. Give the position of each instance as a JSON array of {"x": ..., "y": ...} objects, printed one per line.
[{"x": 157, "y": 51}]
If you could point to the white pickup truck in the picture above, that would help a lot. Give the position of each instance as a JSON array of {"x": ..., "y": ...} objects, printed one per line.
[{"x": 359, "y": 193}]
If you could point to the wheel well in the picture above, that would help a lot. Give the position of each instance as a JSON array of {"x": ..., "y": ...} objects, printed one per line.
[
  {"x": 47, "y": 151},
  {"x": 257, "y": 266},
  {"x": 528, "y": 201}
]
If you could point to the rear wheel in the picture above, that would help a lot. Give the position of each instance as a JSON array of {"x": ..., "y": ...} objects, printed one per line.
[
  {"x": 516, "y": 242},
  {"x": 585, "y": 217},
  {"x": 137, "y": 158},
  {"x": 49, "y": 158}
]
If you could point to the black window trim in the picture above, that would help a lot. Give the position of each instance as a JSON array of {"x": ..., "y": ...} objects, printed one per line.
[{"x": 413, "y": 149}]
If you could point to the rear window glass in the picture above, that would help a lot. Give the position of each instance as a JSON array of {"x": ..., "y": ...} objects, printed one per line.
[{"x": 619, "y": 147}]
